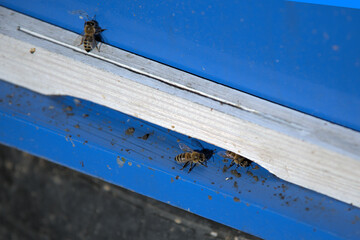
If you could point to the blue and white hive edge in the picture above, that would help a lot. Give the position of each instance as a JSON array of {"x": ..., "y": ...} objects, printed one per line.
[
  {"x": 94, "y": 140},
  {"x": 294, "y": 146}
]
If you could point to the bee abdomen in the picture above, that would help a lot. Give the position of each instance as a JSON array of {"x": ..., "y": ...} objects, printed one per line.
[
  {"x": 88, "y": 43},
  {"x": 183, "y": 157}
]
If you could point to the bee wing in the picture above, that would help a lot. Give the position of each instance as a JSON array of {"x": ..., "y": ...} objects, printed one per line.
[
  {"x": 185, "y": 147},
  {"x": 223, "y": 154},
  {"x": 196, "y": 143},
  {"x": 93, "y": 43},
  {"x": 99, "y": 36},
  {"x": 100, "y": 39},
  {"x": 98, "y": 29}
]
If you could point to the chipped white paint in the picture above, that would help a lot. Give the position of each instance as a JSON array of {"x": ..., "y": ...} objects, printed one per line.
[{"x": 296, "y": 147}]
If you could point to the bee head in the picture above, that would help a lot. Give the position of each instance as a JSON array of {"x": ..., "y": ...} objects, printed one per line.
[
  {"x": 245, "y": 163},
  {"x": 91, "y": 23},
  {"x": 90, "y": 27}
]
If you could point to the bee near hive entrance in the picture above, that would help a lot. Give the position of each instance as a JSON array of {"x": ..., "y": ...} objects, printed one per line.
[
  {"x": 193, "y": 157},
  {"x": 236, "y": 159},
  {"x": 92, "y": 32}
]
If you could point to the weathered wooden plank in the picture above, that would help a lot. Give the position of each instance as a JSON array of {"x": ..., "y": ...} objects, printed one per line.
[
  {"x": 95, "y": 140},
  {"x": 296, "y": 147}
]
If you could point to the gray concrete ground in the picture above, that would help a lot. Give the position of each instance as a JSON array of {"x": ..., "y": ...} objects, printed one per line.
[{"x": 42, "y": 200}]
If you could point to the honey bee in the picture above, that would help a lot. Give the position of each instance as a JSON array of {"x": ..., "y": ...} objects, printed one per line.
[
  {"x": 193, "y": 157},
  {"x": 92, "y": 31},
  {"x": 91, "y": 35},
  {"x": 236, "y": 159}
]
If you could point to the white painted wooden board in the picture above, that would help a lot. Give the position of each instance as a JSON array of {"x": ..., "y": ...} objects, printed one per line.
[{"x": 296, "y": 147}]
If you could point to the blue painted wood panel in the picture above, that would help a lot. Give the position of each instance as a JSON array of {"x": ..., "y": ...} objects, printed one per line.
[
  {"x": 94, "y": 140},
  {"x": 301, "y": 55}
]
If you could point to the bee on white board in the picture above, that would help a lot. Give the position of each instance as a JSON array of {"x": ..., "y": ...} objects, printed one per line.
[
  {"x": 193, "y": 157},
  {"x": 235, "y": 159},
  {"x": 92, "y": 32}
]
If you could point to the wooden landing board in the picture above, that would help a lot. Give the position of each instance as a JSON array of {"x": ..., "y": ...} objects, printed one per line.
[{"x": 296, "y": 147}]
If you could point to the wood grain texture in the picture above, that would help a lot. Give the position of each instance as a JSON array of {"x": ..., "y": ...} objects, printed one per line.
[{"x": 296, "y": 147}]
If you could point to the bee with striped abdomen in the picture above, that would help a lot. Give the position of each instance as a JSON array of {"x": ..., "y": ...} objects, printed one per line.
[
  {"x": 236, "y": 159},
  {"x": 92, "y": 31},
  {"x": 91, "y": 35},
  {"x": 193, "y": 157}
]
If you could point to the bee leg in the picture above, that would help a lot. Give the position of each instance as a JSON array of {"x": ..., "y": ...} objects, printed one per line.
[
  {"x": 191, "y": 167},
  {"x": 82, "y": 41},
  {"x": 205, "y": 165},
  {"x": 185, "y": 165},
  {"x": 232, "y": 163}
]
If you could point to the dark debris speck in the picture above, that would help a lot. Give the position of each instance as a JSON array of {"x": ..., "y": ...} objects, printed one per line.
[
  {"x": 68, "y": 109},
  {"x": 130, "y": 131}
]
